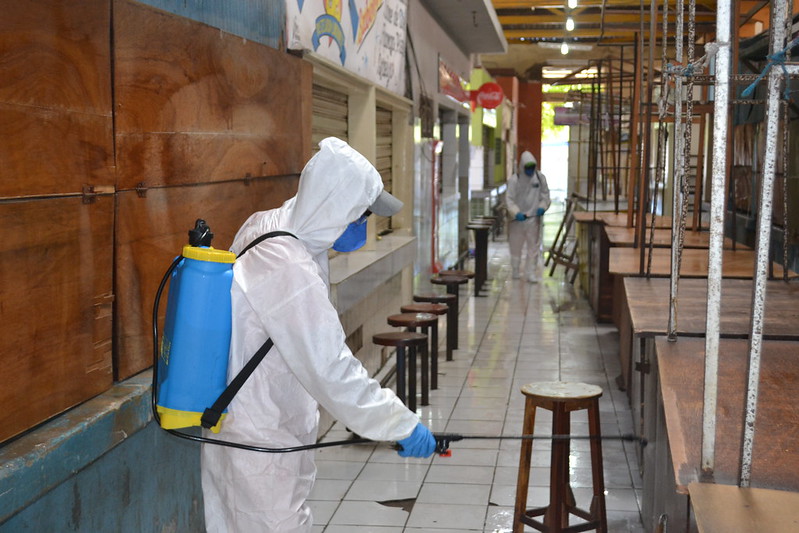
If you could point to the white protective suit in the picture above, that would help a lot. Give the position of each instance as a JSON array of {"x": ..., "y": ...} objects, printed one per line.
[
  {"x": 526, "y": 194},
  {"x": 280, "y": 290}
]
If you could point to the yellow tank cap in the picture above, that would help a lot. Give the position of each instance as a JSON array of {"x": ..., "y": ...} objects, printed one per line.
[
  {"x": 208, "y": 254},
  {"x": 174, "y": 419}
]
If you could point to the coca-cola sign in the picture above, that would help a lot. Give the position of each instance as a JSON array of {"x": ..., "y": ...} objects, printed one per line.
[{"x": 489, "y": 95}]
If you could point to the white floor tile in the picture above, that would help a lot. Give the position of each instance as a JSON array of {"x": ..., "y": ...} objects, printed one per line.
[
  {"x": 454, "y": 493},
  {"x": 447, "y": 516},
  {"x": 357, "y": 513},
  {"x": 383, "y": 490}
]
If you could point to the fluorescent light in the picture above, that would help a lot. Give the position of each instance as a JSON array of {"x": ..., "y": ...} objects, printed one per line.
[
  {"x": 574, "y": 47},
  {"x": 569, "y": 24},
  {"x": 572, "y": 4},
  {"x": 564, "y": 48}
]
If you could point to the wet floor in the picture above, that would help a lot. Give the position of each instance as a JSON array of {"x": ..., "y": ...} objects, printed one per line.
[{"x": 515, "y": 333}]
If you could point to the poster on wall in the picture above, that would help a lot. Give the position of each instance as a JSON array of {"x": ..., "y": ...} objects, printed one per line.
[{"x": 366, "y": 37}]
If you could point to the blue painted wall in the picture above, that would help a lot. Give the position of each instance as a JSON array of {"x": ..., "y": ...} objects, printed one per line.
[
  {"x": 261, "y": 21},
  {"x": 149, "y": 483},
  {"x": 103, "y": 466}
]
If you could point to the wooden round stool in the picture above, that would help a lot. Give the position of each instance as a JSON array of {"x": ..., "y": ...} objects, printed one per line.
[
  {"x": 451, "y": 301},
  {"x": 402, "y": 340},
  {"x": 411, "y": 321},
  {"x": 561, "y": 398},
  {"x": 452, "y": 283},
  {"x": 465, "y": 273},
  {"x": 433, "y": 309}
]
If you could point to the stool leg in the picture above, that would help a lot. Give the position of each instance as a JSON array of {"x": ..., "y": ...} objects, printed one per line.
[
  {"x": 524, "y": 467},
  {"x": 434, "y": 357},
  {"x": 401, "y": 374},
  {"x": 452, "y": 324},
  {"x": 598, "y": 511},
  {"x": 455, "y": 320},
  {"x": 425, "y": 354},
  {"x": 411, "y": 379},
  {"x": 557, "y": 515}
]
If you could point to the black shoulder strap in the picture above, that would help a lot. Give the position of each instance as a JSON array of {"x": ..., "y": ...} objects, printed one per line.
[
  {"x": 212, "y": 414},
  {"x": 263, "y": 237}
]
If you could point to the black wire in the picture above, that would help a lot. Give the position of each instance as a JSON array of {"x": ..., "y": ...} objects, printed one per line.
[{"x": 442, "y": 439}]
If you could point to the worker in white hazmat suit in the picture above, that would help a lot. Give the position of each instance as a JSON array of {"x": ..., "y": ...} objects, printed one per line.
[
  {"x": 527, "y": 199},
  {"x": 280, "y": 290}
]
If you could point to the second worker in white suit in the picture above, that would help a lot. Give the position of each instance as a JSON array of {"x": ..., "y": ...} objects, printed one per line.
[{"x": 527, "y": 200}]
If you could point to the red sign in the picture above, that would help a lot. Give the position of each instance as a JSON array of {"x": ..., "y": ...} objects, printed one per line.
[{"x": 489, "y": 95}]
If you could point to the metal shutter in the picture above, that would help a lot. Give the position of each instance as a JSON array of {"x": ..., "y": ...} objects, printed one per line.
[
  {"x": 330, "y": 115},
  {"x": 384, "y": 150}
]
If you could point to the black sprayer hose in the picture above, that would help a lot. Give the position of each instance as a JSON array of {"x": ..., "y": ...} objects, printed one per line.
[{"x": 443, "y": 440}]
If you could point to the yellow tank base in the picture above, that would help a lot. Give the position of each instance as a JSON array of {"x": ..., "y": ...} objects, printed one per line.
[{"x": 174, "y": 419}]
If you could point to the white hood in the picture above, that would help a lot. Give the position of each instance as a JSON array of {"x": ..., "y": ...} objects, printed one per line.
[
  {"x": 525, "y": 159},
  {"x": 336, "y": 186}
]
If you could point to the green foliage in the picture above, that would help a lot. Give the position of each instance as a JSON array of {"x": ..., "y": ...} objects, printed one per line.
[{"x": 549, "y": 132}]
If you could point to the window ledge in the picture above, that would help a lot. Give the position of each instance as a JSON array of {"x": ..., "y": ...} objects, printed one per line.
[{"x": 354, "y": 275}]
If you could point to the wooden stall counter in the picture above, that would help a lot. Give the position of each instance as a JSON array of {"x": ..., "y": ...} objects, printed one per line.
[
  {"x": 735, "y": 263},
  {"x": 673, "y": 426},
  {"x": 647, "y": 303},
  {"x": 609, "y": 218},
  {"x": 775, "y": 461},
  {"x": 645, "y": 315},
  {"x": 625, "y": 237},
  {"x": 729, "y": 509}
]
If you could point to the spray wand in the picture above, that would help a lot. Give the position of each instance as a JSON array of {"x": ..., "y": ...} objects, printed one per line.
[{"x": 443, "y": 440}]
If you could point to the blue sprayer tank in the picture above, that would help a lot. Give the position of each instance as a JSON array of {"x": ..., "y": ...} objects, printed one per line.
[{"x": 193, "y": 360}]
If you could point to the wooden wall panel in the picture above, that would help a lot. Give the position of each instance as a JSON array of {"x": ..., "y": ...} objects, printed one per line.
[
  {"x": 151, "y": 232},
  {"x": 55, "y": 307},
  {"x": 55, "y": 98},
  {"x": 196, "y": 105}
]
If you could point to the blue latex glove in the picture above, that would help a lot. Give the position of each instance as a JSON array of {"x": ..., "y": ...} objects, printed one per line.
[
  {"x": 421, "y": 443},
  {"x": 521, "y": 216},
  {"x": 540, "y": 211}
]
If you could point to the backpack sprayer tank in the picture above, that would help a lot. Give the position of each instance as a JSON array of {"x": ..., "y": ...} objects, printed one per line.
[{"x": 193, "y": 360}]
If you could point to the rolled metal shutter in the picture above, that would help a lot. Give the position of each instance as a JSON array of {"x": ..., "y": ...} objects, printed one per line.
[
  {"x": 330, "y": 115},
  {"x": 384, "y": 149}
]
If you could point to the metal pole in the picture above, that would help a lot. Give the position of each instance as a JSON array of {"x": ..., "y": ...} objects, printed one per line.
[
  {"x": 635, "y": 121},
  {"x": 645, "y": 175},
  {"x": 618, "y": 129},
  {"x": 678, "y": 176},
  {"x": 763, "y": 236},
  {"x": 721, "y": 98}
]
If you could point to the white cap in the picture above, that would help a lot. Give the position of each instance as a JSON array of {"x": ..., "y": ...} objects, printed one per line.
[{"x": 386, "y": 205}]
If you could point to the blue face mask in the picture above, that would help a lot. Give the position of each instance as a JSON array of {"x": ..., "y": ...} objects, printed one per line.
[
  {"x": 353, "y": 237},
  {"x": 529, "y": 170}
]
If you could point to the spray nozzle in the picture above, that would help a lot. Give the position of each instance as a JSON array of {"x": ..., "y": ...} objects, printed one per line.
[{"x": 201, "y": 234}]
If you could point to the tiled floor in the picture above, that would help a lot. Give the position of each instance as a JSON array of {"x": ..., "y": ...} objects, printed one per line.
[{"x": 516, "y": 333}]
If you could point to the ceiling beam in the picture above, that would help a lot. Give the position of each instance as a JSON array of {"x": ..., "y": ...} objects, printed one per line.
[
  {"x": 593, "y": 19},
  {"x": 561, "y": 33},
  {"x": 555, "y": 4}
]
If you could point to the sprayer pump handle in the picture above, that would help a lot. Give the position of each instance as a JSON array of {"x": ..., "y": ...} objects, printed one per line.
[{"x": 201, "y": 234}]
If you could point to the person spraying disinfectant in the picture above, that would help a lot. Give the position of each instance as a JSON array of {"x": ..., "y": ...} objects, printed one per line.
[
  {"x": 280, "y": 290},
  {"x": 527, "y": 199}
]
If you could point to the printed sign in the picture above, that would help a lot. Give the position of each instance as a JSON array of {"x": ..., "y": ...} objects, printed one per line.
[
  {"x": 450, "y": 83},
  {"x": 569, "y": 116},
  {"x": 366, "y": 37},
  {"x": 489, "y": 95}
]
